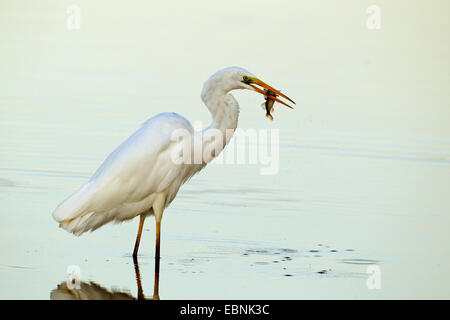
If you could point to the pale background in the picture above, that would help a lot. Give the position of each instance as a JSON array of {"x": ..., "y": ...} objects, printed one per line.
[{"x": 364, "y": 158}]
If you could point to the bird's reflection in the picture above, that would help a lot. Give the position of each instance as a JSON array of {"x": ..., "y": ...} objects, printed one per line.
[{"x": 92, "y": 291}]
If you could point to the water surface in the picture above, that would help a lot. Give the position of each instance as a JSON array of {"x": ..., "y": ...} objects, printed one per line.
[{"x": 364, "y": 175}]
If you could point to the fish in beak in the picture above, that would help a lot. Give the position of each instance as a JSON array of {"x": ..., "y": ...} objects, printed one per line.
[
  {"x": 268, "y": 105},
  {"x": 271, "y": 95}
]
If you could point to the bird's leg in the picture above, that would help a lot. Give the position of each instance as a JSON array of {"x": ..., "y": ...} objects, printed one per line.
[
  {"x": 138, "y": 238},
  {"x": 157, "y": 258},
  {"x": 158, "y": 237},
  {"x": 158, "y": 209},
  {"x": 156, "y": 285}
]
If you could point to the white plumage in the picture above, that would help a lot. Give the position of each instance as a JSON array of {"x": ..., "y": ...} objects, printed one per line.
[
  {"x": 140, "y": 178},
  {"x": 126, "y": 183}
]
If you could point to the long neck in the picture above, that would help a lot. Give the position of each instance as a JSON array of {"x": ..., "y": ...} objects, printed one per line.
[
  {"x": 224, "y": 110},
  {"x": 225, "y": 113}
]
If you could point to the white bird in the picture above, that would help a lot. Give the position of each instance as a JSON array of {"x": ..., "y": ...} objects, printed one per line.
[{"x": 142, "y": 176}]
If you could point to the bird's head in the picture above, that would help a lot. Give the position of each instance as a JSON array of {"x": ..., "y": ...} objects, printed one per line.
[{"x": 238, "y": 78}]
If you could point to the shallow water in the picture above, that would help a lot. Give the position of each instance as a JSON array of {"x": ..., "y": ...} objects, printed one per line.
[{"x": 364, "y": 173}]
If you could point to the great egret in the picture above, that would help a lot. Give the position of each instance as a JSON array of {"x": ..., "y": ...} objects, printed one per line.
[{"x": 141, "y": 178}]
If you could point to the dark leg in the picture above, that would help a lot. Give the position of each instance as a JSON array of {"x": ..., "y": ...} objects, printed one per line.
[
  {"x": 156, "y": 285},
  {"x": 138, "y": 238},
  {"x": 158, "y": 236},
  {"x": 158, "y": 209}
]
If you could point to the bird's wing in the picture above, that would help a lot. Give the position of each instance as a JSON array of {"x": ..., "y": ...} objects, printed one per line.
[{"x": 140, "y": 166}]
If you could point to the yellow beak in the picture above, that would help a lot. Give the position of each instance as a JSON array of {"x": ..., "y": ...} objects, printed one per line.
[{"x": 266, "y": 86}]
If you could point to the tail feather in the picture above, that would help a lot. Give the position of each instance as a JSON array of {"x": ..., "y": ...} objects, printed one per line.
[
  {"x": 73, "y": 206},
  {"x": 83, "y": 211},
  {"x": 74, "y": 214},
  {"x": 78, "y": 225}
]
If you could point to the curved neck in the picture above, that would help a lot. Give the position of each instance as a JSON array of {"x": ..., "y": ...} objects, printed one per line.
[
  {"x": 222, "y": 105},
  {"x": 225, "y": 113}
]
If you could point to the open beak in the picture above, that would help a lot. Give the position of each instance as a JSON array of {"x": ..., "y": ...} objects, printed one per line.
[{"x": 264, "y": 92}]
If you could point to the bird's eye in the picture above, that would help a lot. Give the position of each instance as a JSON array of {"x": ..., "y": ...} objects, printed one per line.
[{"x": 246, "y": 80}]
